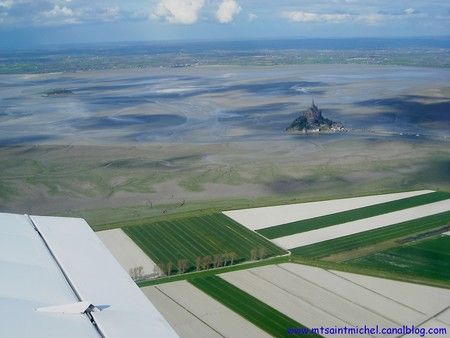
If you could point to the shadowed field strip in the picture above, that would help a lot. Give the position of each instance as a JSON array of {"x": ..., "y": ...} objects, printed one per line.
[
  {"x": 260, "y": 314},
  {"x": 346, "y": 243},
  {"x": 260, "y": 218},
  {"x": 363, "y": 225},
  {"x": 351, "y": 215},
  {"x": 192, "y": 237}
]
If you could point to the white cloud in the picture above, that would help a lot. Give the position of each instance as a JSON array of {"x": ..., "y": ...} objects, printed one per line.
[
  {"x": 178, "y": 11},
  {"x": 6, "y": 4},
  {"x": 63, "y": 12},
  {"x": 310, "y": 17},
  {"x": 301, "y": 16},
  {"x": 252, "y": 17},
  {"x": 58, "y": 12},
  {"x": 3, "y": 17},
  {"x": 227, "y": 11},
  {"x": 57, "y": 15},
  {"x": 112, "y": 13},
  {"x": 371, "y": 19},
  {"x": 409, "y": 11}
]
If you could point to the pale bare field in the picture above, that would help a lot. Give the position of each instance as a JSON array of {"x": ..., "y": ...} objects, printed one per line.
[
  {"x": 127, "y": 253},
  {"x": 316, "y": 297},
  {"x": 429, "y": 300},
  {"x": 183, "y": 322},
  {"x": 282, "y": 300},
  {"x": 207, "y": 310},
  {"x": 308, "y": 304},
  {"x": 341, "y": 304},
  {"x": 444, "y": 317},
  {"x": 350, "y": 228},
  {"x": 260, "y": 218},
  {"x": 433, "y": 324}
]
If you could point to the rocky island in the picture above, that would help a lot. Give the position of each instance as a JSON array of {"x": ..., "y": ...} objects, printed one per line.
[{"x": 312, "y": 121}]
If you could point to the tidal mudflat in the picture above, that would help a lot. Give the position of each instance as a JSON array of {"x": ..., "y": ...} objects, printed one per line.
[
  {"x": 156, "y": 141},
  {"x": 218, "y": 104}
]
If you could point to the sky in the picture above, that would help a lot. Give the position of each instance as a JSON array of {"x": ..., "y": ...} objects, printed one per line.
[{"x": 42, "y": 22}]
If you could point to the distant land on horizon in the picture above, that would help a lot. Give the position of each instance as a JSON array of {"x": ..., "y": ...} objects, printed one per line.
[
  {"x": 422, "y": 52},
  {"x": 247, "y": 44}
]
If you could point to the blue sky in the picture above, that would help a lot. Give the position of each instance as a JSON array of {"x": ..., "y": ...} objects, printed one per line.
[{"x": 34, "y": 22}]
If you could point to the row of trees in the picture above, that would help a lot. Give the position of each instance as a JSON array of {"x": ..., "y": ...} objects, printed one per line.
[
  {"x": 215, "y": 261},
  {"x": 258, "y": 253},
  {"x": 136, "y": 272},
  {"x": 206, "y": 262}
]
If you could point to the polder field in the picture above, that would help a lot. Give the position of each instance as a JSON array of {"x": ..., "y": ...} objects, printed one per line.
[
  {"x": 400, "y": 238},
  {"x": 265, "y": 317},
  {"x": 391, "y": 269},
  {"x": 429, "y": 258},
  {"x": 351, "y": 215},
  {"x": 385, "y": 227},
  {"x": 373, "y": 237},
  {"x": 197, "y": 237}
]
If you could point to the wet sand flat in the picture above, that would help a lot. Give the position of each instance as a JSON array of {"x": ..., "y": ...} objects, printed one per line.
[{"x": 126, "y": 142}]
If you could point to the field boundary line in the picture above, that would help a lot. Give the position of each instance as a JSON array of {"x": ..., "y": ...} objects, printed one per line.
[
  {"x": 432, "y": 317},
  {"x": 342, "y": 297},
  {"x": 261, "y": 235},
  {"x": 376, "y": 292},
  {"x": 188, "y": 311},
  {"x": 301, "y": 298}
]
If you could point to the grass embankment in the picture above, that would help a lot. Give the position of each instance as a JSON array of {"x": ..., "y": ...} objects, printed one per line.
[
  {"x": 260, "y": 314},
  {"x": 110, "y": 218},
  {"x": 201, "y": 240},
  {"x": 351, "y": 215}
]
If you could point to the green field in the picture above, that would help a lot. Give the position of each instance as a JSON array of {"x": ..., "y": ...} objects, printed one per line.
[
  {"x": 428, "y": 258},
  {"x": 351, "y": 215},
  {"x": 372, "y": 237},
  {"x": 196, "y": 237},
  {"x": 249, "y": 307}
]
